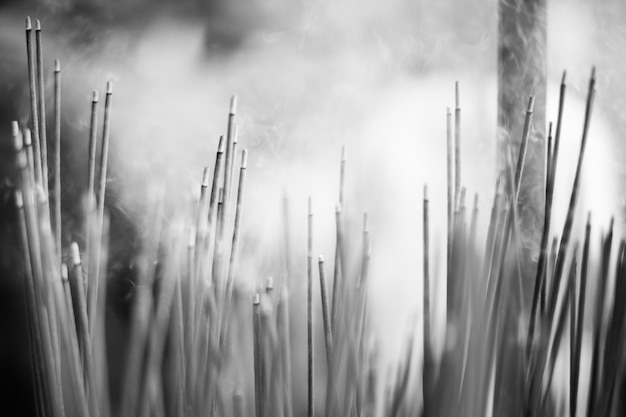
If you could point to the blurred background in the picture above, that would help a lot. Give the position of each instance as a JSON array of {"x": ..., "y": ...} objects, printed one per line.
[{"x": 311, "y": 77}]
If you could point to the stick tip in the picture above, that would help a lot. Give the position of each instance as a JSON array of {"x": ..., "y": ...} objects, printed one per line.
[
  {"x": 531, "y": 104},
  {"x": 366, "y": 225},
  {"x": 320, "y": 259},
  {"x": 75, "y": 253},
  {"x": 38, "y": 25},
  {"x": 29, "y": 25},
  {"x": 549, "y": 129},
  {"x": 19, "y": 199},
  {"x": 220, "y": 144},
  {"x": 64, "y": 273},
  {"x": 206, "y": 176},
  {"x": 220, "y": 195},
  {"x": 563, "y": 77},
  {"x": 17, "y": 138},
  {"x": 589, "y": 219},
  {"x": 244, "y": 159},
  {"x": 344, "y": 154},
  {"x": 42, "y": 197},
  {"x": 94, "y": 97},
  {"x": 338, "y": 208},
  {"x": 27, "y": 138},
  {"x": 593, "y": 73},
  {"x": 425, "y": 191},
  {"x": 269, "y": 284},
  {"x": 310, "y": 205},
  {"x": 448, "y": 111},
  {"x": 457, "y": 98},
  {"x": 109, "y": 87},
  {"x": 233, "y": 104},
  {"x": 57, "y": 65},
  {"x": 475, "y": 201},
  {"x": 256, "y": 299}
]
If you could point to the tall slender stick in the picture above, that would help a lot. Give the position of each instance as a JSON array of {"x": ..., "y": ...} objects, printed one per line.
[
  {"x": 57, "y": 156},
  {"x": 104, "y": 157},
  {"x": 259, "y": 377},
  {"x": 285, "y": 346},
  {"x": 42, "y": 105},
  {"x": 426, "y": 373},
  {"x": 338, "y": 273},
  {"x": 457, "y": 145},
  {"x": 234, "y": 247},
  {"x": 580, "y": 321},
  {"x": 230, "y": 138},
  {"x": 451, "y": 200},
  {"x": 32, "y": 82},
  {"x": 426, "y": 272},
  {"x": 84, "y": 340},
  {"x": 224, "y": 216},
  {"x": 311, "y": 389},
  {"x": 74, "y": 356},
  {"x": 328, "y": 334},
  {"x": 91, "y": 173}
]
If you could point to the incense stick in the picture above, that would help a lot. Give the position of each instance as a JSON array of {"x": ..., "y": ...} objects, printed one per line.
[
  {"x": 32, "y": 83},
  {"x": 57, "y": 157},
  {"x": 285, "y": 348},
  {"x": 457, "y": 144},
  {"x": 42, "y": 105},
  {"x": 92, "y": 293},
  {"x": 310, "y": 381},
  {"x": 259, "y": 377},
  {"x": 232, "y": 264},
  {"x": 84, "y": 340},
  {"x": 339, "y": 271},
  {"x": 451, "y": 192},
  {"x": 426, "y": 372},
  {"x": 578, "y": 331},
  {"x": 328, "y": 335}
]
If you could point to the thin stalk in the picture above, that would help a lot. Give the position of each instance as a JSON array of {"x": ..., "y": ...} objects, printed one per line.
[
  {"x": 259, "y": 368},
  {"x": 310, "y": 381},
  {"x": 328, "y": 334},
  {"x": 57, "y": 157},
  {"x": 42, "y": 105},
  {"x": 32, "y": 83},
  {"x": 92, "y": 293}
]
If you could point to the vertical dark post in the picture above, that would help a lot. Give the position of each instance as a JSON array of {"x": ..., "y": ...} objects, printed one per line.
[{"x": 521, "y": 73}]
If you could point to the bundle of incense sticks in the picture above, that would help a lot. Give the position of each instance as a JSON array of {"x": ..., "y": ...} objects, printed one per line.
[{"x": 202, "y": 345}]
